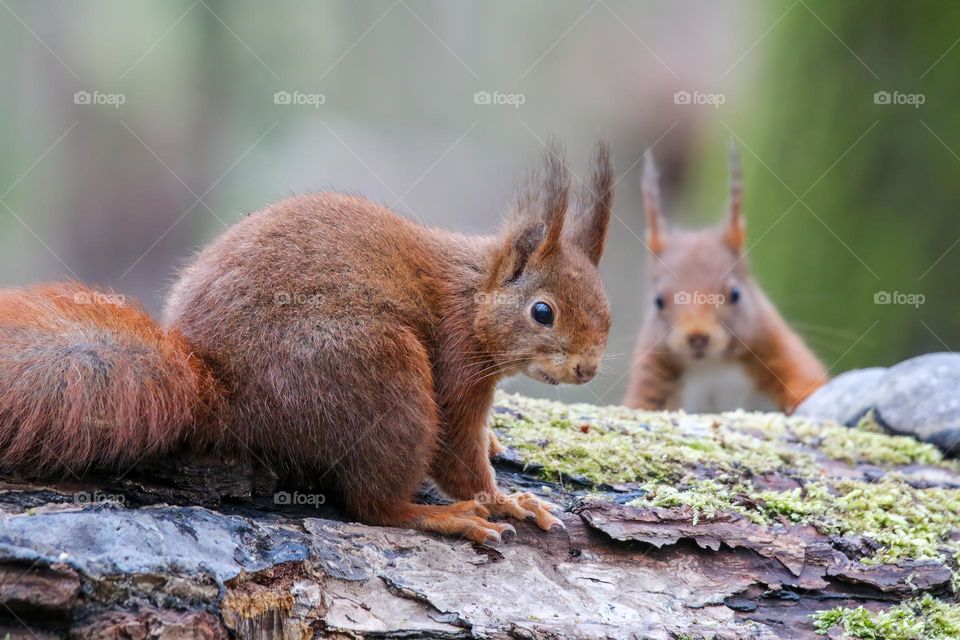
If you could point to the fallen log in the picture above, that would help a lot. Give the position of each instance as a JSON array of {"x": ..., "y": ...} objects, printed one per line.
[{"x": 732, "y": 526}]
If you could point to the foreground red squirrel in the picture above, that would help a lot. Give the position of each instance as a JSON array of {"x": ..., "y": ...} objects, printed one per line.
[
  {"x": 330, "y": 337},
  {"x": 712, "y": 340}
]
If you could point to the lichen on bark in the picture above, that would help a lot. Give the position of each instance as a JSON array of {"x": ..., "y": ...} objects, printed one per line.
[
  {"x": 896, "y": 496},
  {"x": 738, "y": 526}
]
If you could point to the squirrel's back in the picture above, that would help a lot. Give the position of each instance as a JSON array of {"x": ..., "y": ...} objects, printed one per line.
[
  {"x": 87, "y": 379},
  {"x": 274, "y": 310},
  {"x": 308, "y": 301},
  {"x": 330, "y": 251}
]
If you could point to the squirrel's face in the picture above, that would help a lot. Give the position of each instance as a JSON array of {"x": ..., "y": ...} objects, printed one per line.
[
  {"x": 552, "y": 322},
  {"x": 703, "y": 303},
  {"x": 543, "y": 310},
  {"x": 702, "y": 299}
]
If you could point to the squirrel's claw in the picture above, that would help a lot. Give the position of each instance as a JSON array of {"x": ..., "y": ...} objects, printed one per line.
[
  {"x": 523, "y": 506},
  {"x": 546, "y": 521},
  {"x": 479, "y": 530},
  {"x": 494, "y": 531}
]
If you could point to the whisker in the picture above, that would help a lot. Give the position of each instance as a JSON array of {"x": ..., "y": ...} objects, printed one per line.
[{"x": 494, "y": 369}]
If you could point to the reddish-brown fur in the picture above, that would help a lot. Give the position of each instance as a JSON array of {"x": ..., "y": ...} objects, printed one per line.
[
  {"x": 693, "y": 275},
  {"x": 89, "y": 380},
  {"x": 354, "y": 348}
]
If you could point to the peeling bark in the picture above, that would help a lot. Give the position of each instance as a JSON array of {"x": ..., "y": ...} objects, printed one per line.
[{"x": 136, "y": 557}]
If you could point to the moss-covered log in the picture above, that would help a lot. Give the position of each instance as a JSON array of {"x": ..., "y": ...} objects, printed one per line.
[{"x": 731, "y": 526}]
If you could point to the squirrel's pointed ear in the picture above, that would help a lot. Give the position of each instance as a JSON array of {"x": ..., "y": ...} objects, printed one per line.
[
  {"x": 589, "y": 230},
  {"x": 555, "y": 192},
  {"x": 735, "y": 234},
  {"x": 651, "y": 203},
  {"x": 518, "y": 247},
  {"x": 534, "y": 231}
]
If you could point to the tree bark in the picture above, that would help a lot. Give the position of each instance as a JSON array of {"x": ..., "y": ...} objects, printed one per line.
[{"x": 198, "y": 548}]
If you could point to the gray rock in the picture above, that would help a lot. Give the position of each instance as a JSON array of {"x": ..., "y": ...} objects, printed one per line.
[
  {"x": 919, "y": 397},
  {"x": 846, "y": 398}
]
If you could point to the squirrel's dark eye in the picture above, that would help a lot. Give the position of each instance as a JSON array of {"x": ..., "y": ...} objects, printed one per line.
[
  {"x": 735, "y": 295},
  {"x": 659, "y": 302},
  {"x": 542, "y": 313}
]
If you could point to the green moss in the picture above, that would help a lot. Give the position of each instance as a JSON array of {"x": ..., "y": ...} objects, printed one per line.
[
  {"x": 865, "y": 444},
  {"x": 615, "y": 444},
  {"x": 907, "y": 523},
  {"x": 709, "y": 463},
  {"x": 925, "y": 618},
  {"x": 706, "y": 498}
]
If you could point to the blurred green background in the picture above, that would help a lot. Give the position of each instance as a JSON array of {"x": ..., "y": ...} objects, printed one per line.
[{"x": 133, "y": 132}]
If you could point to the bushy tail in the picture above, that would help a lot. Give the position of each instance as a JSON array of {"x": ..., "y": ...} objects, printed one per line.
[{"x": 90, "y": 380}]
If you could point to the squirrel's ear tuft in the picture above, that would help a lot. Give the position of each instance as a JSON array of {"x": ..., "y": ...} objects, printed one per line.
[
  {"x": 589, "y": 229},
  {"x": 651, "y": 203},
  {"x": 534, "y": 229},
  {"x": 735, "y": 235},
  {"x": 555, "y": 192}
]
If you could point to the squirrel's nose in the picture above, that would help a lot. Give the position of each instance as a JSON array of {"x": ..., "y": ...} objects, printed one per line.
[
  {"x": 585, "y": 371},
  {"x": 698, "y": 341}
]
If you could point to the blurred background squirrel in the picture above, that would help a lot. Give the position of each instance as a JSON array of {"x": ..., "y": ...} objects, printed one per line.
[{"x": 712, "y": 340}]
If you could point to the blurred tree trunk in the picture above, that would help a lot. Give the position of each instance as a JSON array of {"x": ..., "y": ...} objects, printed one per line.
[
  {"x": 129, "y": 205},
  {"x": 882, "y": 178}
]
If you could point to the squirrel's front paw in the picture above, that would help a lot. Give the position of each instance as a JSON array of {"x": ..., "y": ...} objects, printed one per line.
[{"x": 522, "y": 506}]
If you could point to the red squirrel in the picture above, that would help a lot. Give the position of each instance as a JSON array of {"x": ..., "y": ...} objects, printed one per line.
[
  {"x": 712, "y": 340},
  {"x": 332, "y": 338}
]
